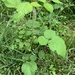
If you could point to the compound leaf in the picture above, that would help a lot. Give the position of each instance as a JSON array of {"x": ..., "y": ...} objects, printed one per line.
[{"x": 57, "y": 44}]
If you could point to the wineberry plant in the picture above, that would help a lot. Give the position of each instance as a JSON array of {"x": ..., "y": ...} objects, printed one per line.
[{"x": 33, "y": 33}]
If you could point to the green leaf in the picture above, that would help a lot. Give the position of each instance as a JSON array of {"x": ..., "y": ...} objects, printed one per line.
[
  {"x": 35, "y": 41},
  {"x": 57, "y": 44},
  {"x": 17, "y": 17},
  {"x": 28, "y": 33},
  {"x": 29, "y": 68},
  {"x": 48, "y": 7},
  {"x": 35, "y": 4},
  {"x": 26, "y": 57},
  {"x": 42, "y": 40},
  {"x": 24, "y": 8},
  {"x": 57, "y": 1},
  {"x": 17, "y": 40},
  {"x": 20, "y": 45},
  {"x": 31, "y": 23},
  {"x": 57, "y": 6},
  {"x": 44, "y": 1},
  {"x": 27, "y": 45},
  {"x": 12, "y": 3},
  {"x": 41, "y": 54},
  {"x": 22, "y": 32},
  {"x": 36, "y": 32},
  {"x": 33, "y": 58},
  {"x": 20, "y": 36},
  {"x": 49, "y": 34},
  {"x": 12, "y": 46},
  {"x": 43, "y": 28}
]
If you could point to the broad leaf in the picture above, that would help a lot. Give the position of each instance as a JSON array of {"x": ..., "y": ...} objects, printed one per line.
[
  {"x": 35, "y": 4},
  {"x": 31, "y": 23},
  {"x": 42, "y": 40},
  {"x": 17, "y": 17},
  {"x": 42, "y": 1},
  {"x": 48, "y": 7},
  {"x": 24, "y": 8},
  {"x": 57, "y": 1},
  {"x": 29, "y": 68},
  {"x": 57, "y": 44},
  {"x": 49, "y": 34},
  {"x": 12, "y": 3}
]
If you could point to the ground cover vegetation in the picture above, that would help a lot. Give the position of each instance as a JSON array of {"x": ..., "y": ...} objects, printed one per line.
[{"x": 37, "y": 37}]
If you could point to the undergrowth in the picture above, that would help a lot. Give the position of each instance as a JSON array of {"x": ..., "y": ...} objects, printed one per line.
[{"x": 25, "y": 47}]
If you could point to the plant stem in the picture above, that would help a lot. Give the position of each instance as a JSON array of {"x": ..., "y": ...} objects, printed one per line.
[{"x": 34, "y": 19}]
